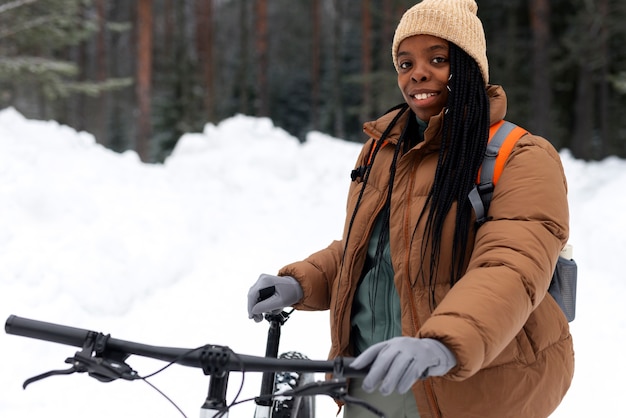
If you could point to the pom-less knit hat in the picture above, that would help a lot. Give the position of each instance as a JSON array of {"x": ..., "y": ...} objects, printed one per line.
[{"x": 452, "y": 20}]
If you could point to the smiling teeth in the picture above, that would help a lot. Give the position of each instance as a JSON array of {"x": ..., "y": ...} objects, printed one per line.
[{"x": 422, "y": 96}]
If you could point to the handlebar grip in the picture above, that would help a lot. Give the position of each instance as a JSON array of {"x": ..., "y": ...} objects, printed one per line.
[{"x": 47, "y": 331}]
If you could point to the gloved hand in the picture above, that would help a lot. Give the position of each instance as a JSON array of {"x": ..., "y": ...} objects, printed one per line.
[
  {"x": 399, "y": 362},
  {"x": 271, "y": 293}
]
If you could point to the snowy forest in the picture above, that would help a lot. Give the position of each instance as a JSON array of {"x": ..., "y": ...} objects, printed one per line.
[{"x": 140, "y": 73}]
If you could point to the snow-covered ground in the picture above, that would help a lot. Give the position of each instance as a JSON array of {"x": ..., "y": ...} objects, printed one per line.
[{"x": 164, "y": 255}]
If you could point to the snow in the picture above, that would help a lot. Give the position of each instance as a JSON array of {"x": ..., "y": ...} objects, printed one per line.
[{"x": 164, "y": 254}]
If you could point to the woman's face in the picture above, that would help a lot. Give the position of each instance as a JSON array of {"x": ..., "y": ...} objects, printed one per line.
[{"x": 424, "y": 69}]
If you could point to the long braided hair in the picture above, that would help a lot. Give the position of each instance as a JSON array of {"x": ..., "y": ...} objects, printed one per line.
[
  {"x": 464, "y": 140},
  {"x": 465, "y": 135}
]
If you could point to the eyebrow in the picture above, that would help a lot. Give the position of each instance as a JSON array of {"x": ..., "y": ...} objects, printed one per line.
[{"x": 429, "y": 49}]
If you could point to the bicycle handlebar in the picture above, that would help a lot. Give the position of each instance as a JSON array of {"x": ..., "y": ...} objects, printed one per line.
[
  {"x": 46, "y": 331},
  {"x": 209, "y": 358}
]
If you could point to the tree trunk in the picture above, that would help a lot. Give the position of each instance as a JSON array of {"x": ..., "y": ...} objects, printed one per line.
[
  {"x": 101, "y": 73},
  {"x": 585, "y": 140},
  {"x": 241, "y": 79},
  {"x": 583, "y": 116},
  {"x": 385, "y": 91},
  {"x": 366, "y": 60},
  {"x": 337, "y": 99},
  {"x": 169, "y": 16},
  {"x": 606, "y": 147},
  {"x": 541, "y": 92},
  {"x": 144, "y": 77},
  {"x": 204, "y": 45},
  {"x": 121, "y": 123},
  {"x": 315, "y": 65},
  {"x": 387, "y": 35},
  {"x": 262, "y": 50},
  {"x": 82, "y": 60}
]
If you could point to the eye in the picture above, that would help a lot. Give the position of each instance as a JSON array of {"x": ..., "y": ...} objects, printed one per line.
[
  {"x": 404, "y": 65},
  {"x": 439, "y": 60}
]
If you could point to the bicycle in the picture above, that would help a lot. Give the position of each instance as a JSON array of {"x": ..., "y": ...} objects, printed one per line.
[{"x": 287, "y": 388}]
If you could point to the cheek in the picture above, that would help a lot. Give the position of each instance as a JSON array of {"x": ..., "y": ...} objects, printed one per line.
[
  {"x": 444, "y": 95},
  {"x": 401, "y": 84},
  {"x": 444, "y": 76}
]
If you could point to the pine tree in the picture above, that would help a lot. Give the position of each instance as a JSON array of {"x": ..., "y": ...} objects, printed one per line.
[{"x": 35, "y": 52}]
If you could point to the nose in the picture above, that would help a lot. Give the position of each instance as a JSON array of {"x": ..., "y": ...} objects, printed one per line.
[{"x": 420, "y": 72}]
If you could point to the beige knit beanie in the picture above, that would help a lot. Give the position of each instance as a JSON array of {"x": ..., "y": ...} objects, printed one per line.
[{"x": 452, "y": 20}]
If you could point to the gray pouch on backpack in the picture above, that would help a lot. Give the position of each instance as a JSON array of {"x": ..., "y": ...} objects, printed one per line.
[{"x": 563, "y": 286}]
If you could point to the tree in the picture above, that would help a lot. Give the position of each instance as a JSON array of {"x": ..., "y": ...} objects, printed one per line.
[
  {"x": 316, "y": 51},
  {"x": 34, "y": 37},
  {"x": 262, "y": 50},
  {"x": 178, "y": 99},
  {"x": 540, "y": 120},
  {"x": 144, "y": 77},
  {"x": 204, "y": 45},
  {"x": 101, "y": 67},
  {"x": 241, "y": 81},
  {"x": 323, "y": 65},
  {"x": 337, "y": 106},
  {"x": 366, "y": 60}
]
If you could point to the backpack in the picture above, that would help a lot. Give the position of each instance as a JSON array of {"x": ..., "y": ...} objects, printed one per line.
[{"x": 502, "y": 138}]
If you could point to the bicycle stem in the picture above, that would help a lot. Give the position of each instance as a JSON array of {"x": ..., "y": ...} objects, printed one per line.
[{"x": 271, "y": 351}]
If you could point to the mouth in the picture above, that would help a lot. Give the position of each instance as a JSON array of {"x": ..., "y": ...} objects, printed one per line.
[{"x": 423, "y": 96}]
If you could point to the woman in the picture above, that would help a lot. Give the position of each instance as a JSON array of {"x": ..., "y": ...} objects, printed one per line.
[{"x": 453, "y": 320}]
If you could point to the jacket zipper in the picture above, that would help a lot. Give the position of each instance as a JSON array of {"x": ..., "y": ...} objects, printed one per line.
[
  {"x": 430, "y": 396},
  {"x": 362, "y": 246}
]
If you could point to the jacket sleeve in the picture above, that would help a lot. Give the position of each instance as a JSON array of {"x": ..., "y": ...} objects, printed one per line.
[
  {"x": 512, "y": 262},
  {"x": 316, "y": 275}
]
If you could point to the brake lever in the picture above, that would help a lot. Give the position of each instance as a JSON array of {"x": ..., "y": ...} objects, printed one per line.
[
  {"x": 336, "y": 389},
  {"x": 360, "y": 402},
  {"x": 48, "y": 374},
  {"x": 100, "y": 368},
  {"x": 332, "y": 388}
]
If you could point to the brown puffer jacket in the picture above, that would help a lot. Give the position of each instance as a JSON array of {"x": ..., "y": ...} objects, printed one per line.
[{"x": 512, "y": 343}]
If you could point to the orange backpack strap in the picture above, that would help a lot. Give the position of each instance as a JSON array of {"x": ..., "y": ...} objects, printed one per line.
[
  {"x": 359, "y": 172},
  {"x": 502, "y": 138},
  {"x": 369, "y": 160}
]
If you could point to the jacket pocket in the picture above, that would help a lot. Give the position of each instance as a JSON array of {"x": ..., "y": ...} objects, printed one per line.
[
  {"x": 526, "y": 351},
  {"x": 519, "y": 351}
]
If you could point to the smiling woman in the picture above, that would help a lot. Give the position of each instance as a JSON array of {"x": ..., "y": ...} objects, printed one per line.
[
  {"x": 451, "y": 319},
  {"x": 423, "y": 74}
]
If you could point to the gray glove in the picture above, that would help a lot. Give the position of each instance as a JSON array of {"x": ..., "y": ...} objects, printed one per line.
[
  {"x": 272, "y": 293},
  {"x": 401, "y": 361}
]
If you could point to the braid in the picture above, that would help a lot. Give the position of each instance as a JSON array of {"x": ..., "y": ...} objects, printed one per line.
[{"x": 465, "y": 135}]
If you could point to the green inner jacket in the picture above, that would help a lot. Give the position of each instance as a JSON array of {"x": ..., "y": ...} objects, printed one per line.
[{"x": 376, "y": 309}]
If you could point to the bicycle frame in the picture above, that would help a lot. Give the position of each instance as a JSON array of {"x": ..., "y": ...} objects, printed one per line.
[{"x": 103, "y": 358}]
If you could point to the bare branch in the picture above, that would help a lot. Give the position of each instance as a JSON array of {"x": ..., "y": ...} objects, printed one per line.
[
  {"x": 15, "y": 4},
  {"x": 28, "y": 25}
]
